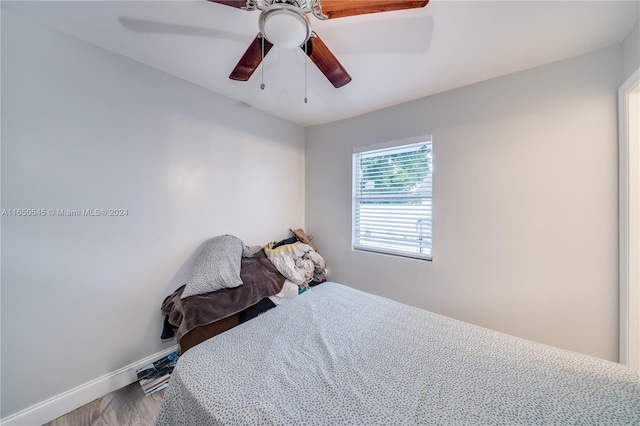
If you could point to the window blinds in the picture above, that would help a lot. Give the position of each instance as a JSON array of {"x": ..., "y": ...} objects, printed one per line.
[{"x": 392, "y": 200}]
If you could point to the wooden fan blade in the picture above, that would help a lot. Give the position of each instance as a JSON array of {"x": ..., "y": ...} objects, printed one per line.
[
  {"x": 326, "y": 62},
  {"x": 233, "y": 3},
  {"x": 342, "y": 8},
  {"x": 251, "y": 59}
]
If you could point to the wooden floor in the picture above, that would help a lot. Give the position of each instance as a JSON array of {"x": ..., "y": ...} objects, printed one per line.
[{"x": 125, "y": 407}]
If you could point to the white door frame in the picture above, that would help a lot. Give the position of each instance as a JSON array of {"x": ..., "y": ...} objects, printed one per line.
[{"x": 629, "y": 260}]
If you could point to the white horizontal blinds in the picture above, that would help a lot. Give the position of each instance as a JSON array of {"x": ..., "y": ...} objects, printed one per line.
[{"x": 392, "y": 200}]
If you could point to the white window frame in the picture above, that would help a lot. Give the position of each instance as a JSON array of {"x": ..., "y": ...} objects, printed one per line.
[{"x": 354, "y": 201}]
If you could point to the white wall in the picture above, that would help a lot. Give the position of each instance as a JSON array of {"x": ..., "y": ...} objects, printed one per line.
[
  {"x": 525, "y": 203},
  {"x": 631, "y": 52},
  {"x": 84, "y": 128}
]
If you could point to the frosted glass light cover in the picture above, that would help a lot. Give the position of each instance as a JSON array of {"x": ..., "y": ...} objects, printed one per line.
[{"x": 285, "y": 30}]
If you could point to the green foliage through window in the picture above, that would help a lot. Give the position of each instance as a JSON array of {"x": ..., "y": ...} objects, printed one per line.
[{"x": 398, "y": 172}]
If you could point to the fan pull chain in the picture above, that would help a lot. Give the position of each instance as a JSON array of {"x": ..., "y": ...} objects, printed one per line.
[
  {"x": 306, "y": 56},
  {"x": 262, "y": 63}
]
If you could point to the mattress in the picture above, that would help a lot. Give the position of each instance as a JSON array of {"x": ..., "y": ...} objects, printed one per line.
[{"x": 339, "y": 356}]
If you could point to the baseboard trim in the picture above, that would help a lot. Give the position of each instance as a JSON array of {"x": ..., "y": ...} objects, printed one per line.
[{"x": 65, "y": 402}]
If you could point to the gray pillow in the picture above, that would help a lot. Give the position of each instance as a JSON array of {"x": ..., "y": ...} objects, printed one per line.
[{"x": 217, "y": 267}]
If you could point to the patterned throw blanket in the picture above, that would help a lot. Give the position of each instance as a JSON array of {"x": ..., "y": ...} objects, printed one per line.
[{"x": 338, "y": 356}]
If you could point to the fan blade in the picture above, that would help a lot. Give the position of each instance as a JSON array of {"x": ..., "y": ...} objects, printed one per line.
[
  {"x": 326, "y": 62},
  {"x": 342, "y": 8},
  {"x": 233, "y": 3},
  {"x": 251, "y": 59}
]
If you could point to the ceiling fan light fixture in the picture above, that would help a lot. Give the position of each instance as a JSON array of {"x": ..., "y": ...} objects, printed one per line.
[{"x": 285, "y": 25}]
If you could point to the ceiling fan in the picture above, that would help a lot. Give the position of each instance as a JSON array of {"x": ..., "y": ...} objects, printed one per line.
[{"x": 285, "y": 23}]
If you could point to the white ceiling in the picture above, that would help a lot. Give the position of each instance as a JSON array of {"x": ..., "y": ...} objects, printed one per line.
[{"x": 392, "y": 57}]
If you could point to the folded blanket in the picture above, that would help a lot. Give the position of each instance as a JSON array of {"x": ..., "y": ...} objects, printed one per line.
[{"x": 261, "y": 279}]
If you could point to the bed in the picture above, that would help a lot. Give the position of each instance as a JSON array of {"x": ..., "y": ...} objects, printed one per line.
[{"x": 338, "y": 356}]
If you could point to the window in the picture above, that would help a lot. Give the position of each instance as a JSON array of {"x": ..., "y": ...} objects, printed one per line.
[{"x": 392, "y": 198}]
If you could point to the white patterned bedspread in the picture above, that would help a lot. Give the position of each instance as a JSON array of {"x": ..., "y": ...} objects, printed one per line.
[{"x": 338, "y": 356}]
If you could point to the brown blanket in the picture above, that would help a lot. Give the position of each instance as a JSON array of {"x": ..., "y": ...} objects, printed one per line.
[{"x": 260, "y": 279}]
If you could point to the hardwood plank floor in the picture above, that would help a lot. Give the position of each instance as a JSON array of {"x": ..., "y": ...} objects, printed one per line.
[{"x": 125, "y": 407}]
